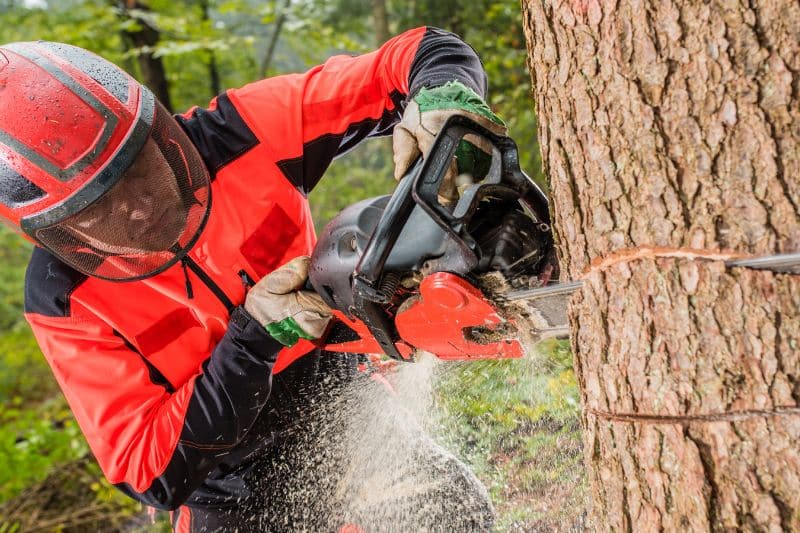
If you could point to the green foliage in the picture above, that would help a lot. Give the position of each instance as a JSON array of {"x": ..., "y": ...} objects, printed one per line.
[
  {"x": 23, "y": 371},
  {"x": 516, "y": 422},
  {"x": 33, "y": 440},
  {"x": 14, "y": 254},
  {"x": 487, "y": 397},
  {"x": 70, "y": 499},
  {"x": 90, "y": 24},
  {"x": 492, "y": 27}
]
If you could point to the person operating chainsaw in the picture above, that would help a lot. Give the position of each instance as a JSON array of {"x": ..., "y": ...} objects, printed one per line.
[{"x": 165, "y": 287}]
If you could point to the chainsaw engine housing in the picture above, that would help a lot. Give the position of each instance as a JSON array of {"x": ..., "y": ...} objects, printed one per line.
[{"x": 344, "y": 239}]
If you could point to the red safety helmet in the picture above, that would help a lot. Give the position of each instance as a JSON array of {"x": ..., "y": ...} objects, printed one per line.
[{"x": 92, "y": 167}]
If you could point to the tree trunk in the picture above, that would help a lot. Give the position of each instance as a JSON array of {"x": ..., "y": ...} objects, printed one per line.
[
  {"x": 381, "y": 21},
  {"x": 671, "y": 131},
  {"x": 213, "y": 69},
  {"x": 273, "y": 38},
  {"x": 146, "y": 38}
]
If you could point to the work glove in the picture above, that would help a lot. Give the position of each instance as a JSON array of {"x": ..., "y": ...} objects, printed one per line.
[
  {"x": 287, "y": 312},
  {"x": 425, "y": 115}
]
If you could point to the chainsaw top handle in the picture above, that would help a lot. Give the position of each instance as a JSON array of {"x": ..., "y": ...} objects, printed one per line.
[{"x": 504, "y": 178}]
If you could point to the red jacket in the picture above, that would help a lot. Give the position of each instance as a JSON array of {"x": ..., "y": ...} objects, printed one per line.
[{"x": 166, "y": 376}]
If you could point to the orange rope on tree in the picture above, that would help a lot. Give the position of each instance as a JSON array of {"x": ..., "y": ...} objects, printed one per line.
[{"x": 637, "y": 253}]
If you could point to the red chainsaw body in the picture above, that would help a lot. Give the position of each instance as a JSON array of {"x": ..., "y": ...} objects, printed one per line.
[{"x": 435, "y": 321}]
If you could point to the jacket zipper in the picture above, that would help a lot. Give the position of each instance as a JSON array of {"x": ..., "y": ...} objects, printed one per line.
[
  {"x": 247, "y": 281},
  {"x": 187, "y": 261},
  {"x": 189, "y": 290}
]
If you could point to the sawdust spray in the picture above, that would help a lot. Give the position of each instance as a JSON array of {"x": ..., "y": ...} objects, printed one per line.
[{"x": 366, "y": 460}]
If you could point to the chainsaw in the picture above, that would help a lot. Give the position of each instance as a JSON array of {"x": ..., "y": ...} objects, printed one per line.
[{"x": 406, "y": 272}]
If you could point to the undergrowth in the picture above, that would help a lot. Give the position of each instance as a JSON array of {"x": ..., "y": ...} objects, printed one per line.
[{"x": 516, "y": 423}]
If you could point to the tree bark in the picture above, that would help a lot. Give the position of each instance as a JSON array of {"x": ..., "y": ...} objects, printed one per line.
[
  {"x": 152, "y": 68},
  {"x": 667, "y": 127}
]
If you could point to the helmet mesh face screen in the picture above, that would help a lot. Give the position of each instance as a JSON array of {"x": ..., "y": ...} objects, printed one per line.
[{"x": 147, "y": 220}]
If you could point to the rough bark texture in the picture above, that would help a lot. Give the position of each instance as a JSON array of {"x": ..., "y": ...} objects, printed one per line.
[{"x": 677, "y": 125}]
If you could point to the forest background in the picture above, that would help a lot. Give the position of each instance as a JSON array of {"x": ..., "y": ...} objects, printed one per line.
[{"x": 514, "y": 422}]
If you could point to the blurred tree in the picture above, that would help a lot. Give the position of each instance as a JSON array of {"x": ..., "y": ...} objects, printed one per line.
[
  {"x": 213, "y": 71},
  {"x": 143, "y": 35},
  {"x": 381, "y": 17},
  {"x": 280, "y": 20}
]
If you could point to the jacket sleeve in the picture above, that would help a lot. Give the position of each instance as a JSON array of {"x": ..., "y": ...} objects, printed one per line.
[
  {"x": 306, "y": 120},
  {"x": 158, "y": 443}
]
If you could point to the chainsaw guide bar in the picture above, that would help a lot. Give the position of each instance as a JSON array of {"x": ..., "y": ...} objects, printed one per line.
[{"x": 543, "y": 310}]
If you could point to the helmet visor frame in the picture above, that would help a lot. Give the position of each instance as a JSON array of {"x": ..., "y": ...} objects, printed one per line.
[{"x": 134, "y": 222}]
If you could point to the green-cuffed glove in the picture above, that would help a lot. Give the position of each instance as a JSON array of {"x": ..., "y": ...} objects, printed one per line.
[
  {"x": 425, "y": 115},
  {"x": 287, "y": 312}
]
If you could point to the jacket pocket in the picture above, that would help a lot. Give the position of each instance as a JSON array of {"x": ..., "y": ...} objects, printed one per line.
[
  {"x": 166, "y": 330},
  {"x": 265, "y": 248}
]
